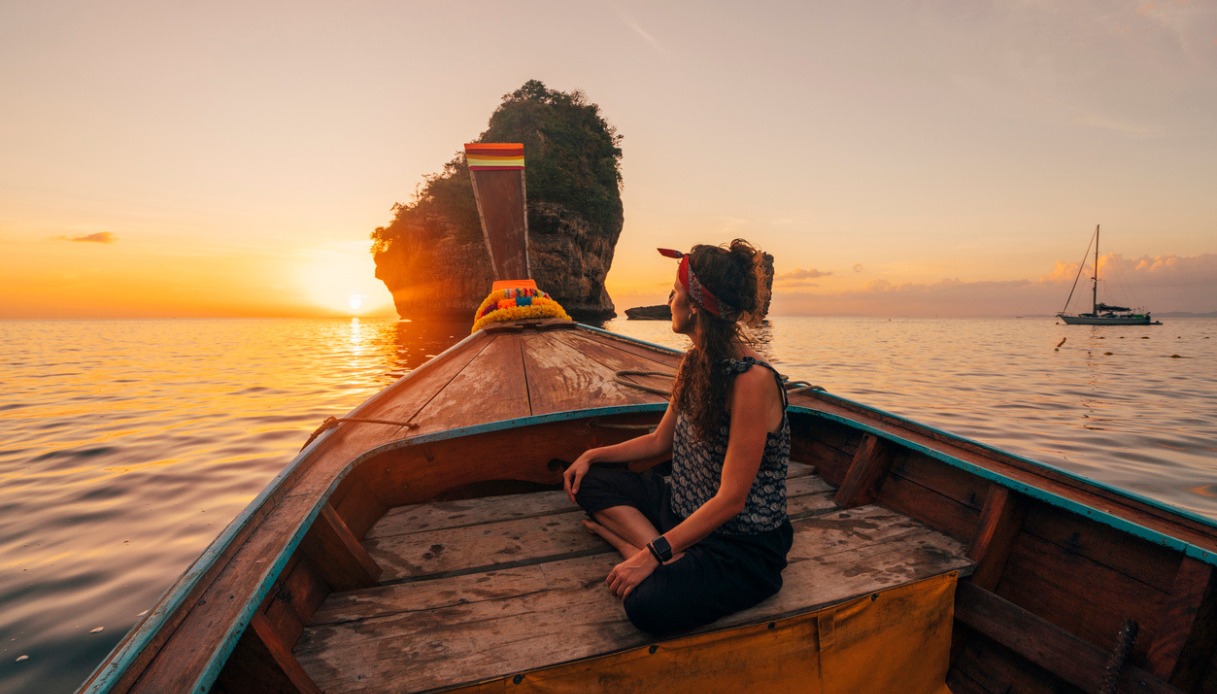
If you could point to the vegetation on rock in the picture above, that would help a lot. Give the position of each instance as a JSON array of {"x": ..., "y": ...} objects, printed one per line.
[{"x": 572, "y": 178}]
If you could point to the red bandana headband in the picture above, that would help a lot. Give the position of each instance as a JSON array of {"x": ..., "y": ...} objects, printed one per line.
[{"x": 701, "y": 296}]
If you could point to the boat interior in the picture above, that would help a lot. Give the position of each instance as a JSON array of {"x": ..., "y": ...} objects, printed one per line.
[{"x": 506, "y": 588}]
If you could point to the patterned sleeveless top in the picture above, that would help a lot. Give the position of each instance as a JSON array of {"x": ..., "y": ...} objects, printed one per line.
[{"x": 697, "y": 467}]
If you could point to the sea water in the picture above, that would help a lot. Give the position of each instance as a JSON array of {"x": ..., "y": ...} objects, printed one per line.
[{"x": 126, "y": 446}]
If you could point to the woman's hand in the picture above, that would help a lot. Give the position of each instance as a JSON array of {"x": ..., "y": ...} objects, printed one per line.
[
  {"x": 574, "y": 475},
  {"x": 626, "y": 576}
]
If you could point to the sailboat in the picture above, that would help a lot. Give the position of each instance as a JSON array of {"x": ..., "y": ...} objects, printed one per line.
[{"x": 1102, "y": 314}]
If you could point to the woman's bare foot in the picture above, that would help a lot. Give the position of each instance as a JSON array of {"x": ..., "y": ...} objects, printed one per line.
[{"x": 625, "y": 548}]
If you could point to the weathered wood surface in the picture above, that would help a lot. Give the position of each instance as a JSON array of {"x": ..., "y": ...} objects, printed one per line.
[
  {"x": 1161, "y": 520},
  {"x": 474, "y": 611},
  {"x": 1078, "y": 662},
  {"x": 416, "y": 518},
  {"x": 471, "y": 539}
]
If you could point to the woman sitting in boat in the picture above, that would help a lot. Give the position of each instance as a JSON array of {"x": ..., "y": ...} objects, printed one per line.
[{"x": 714, "y": 539}]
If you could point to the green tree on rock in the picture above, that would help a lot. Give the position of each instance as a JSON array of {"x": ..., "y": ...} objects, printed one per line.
[{"x": 573, "y": 159}]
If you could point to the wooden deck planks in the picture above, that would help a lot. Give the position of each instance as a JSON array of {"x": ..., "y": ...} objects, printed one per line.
[
  {"x": 452, "y": 514},
  {"x": 459, "y": 536},
  {"x": 483, "y": 623}
]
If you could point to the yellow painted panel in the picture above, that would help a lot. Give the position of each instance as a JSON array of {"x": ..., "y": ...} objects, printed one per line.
[{"x": 898, "y": 641}]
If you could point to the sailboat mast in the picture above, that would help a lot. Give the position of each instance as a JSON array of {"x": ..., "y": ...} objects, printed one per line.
[{"x": 1095, "y": 288}]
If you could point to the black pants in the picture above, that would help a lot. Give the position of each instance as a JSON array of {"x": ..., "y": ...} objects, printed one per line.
[{"x": 716, "y": 577}]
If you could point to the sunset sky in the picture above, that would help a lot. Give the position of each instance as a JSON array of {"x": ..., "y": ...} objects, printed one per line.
[{"x": 898, "y": 158}]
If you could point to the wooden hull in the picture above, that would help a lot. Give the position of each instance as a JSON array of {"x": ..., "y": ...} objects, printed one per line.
[{"x": 1042, "y": 568}]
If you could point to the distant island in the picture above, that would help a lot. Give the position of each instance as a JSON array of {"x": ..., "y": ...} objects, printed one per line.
[
  {"x": 432, "y": 256},
  {"x": 660, "y": 312}
]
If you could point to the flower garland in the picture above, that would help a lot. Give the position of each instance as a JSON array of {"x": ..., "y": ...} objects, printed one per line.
[{"x": 516, "y": 303}]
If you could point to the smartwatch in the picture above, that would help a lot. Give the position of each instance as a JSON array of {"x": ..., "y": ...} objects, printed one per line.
[{"x": 661, "y": 549}]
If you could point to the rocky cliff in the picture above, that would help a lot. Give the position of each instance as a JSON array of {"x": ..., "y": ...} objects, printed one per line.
[{"x": 432, "y": 256}]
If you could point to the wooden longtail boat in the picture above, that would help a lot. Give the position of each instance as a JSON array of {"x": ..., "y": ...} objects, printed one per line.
[{"x": 422, "y": 543}]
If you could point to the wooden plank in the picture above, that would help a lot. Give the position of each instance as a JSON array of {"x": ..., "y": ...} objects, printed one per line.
[
  {"x": 644, "y": 357},
  {"x": 357, "y": 505},
  {"x": 294, "y": 600},
  {"x": 931, "y": 507},
  {"x": 963, "y": 487},
  {"x": 491, "y": 387},
  {"x": 829, "y": 444},
  {"x": 403, "y": 401},
  {"x": 1187, "y": 619},
  {"x": 439, "y": 515},
  {"x": 865, "y": 473},
  {"x": 1000, "y": 522},
  {"x": 562, "y": 377},
  {"x": 986, "y": 667},
  {"x": 568, "y": 370},
  {"x": 1138, "y": 559},
  {"x": 461, "y": 537},
  {"x": 479, "y": 547},
  {"x": 1077, "y": 594},
  {"x": 262, "y": 658},
  {"x": 336, "y": 555},
  {"x": 1080, "y": 663},
  {"x": 469, "y": 627}
]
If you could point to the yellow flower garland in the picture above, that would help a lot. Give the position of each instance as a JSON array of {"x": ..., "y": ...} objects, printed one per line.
[{"x": 516, "y": 303}]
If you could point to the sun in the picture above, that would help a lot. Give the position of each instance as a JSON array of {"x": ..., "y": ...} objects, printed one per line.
[{"x": 340, "y": 279}]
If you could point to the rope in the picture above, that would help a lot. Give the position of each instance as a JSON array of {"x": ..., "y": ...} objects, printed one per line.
[
  {"x": 331, "y": 422},
  {"x": 620, "y": 378}
]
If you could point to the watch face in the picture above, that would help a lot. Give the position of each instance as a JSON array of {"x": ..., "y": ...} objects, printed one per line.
[{"x": 663, "y": 547}]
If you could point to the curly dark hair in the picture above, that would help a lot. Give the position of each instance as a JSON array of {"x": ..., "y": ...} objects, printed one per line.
[{"x": 732, "y": 274}]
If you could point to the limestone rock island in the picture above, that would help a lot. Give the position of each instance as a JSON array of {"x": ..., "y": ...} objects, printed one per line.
[{"x": 432, "y": 256}]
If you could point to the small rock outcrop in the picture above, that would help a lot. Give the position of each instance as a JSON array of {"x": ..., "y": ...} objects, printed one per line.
[
  {"x": 432, "y": 256},
  {"x": 660, "y": 312}
]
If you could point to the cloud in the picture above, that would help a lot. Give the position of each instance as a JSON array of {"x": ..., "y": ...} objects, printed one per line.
[
  {"x": 1161, "y": 284},
  {"x": 858, "y": 267},
  {"x": 800, "y": 275},
  {"x": 99, "y": 237}
]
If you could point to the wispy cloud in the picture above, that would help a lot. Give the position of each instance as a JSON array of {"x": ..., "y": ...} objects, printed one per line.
[
  {"x": 99, "y": 237},
  {"x": 801, "y": 274},
  {"x": 643, "y": 34}
]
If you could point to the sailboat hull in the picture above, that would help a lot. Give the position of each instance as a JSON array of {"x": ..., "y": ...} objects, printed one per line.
[{"x": 1090, "y": 319}]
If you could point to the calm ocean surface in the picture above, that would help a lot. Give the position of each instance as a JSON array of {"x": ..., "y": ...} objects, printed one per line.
[{"x": 126, "y": 446}]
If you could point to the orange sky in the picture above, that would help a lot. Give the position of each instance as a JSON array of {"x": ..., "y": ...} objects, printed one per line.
[{"x": 907, "y": 158}]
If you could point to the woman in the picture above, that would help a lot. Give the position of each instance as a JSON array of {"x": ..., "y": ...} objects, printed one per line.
[{"x": 714, "y": 539}]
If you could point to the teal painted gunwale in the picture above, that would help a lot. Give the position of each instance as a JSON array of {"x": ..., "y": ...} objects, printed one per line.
[{"x": 134, "y": 643}]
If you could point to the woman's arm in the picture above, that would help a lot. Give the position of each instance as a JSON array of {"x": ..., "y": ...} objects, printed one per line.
[
  {"x": 753, "y": 405},
  {"x": 753, "y": 400},
  {"x": 655, "y": 443}
]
